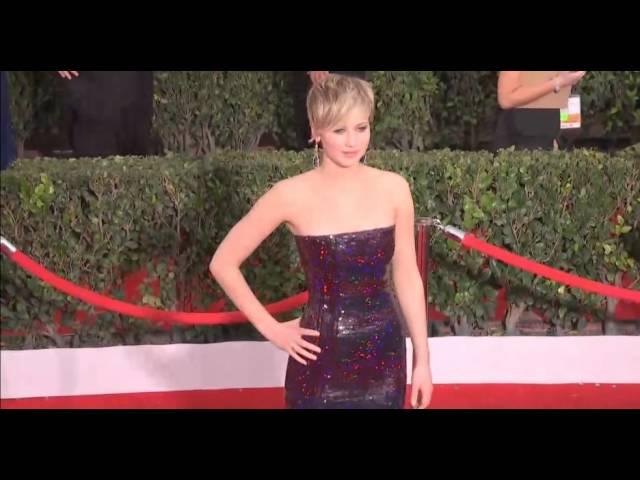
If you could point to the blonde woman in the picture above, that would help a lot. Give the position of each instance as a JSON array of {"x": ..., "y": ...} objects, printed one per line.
[{"x": 354, "y": 228}]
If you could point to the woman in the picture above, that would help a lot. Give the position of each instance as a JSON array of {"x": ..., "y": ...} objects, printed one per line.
[
  {"x": 526, "y": 121},
  {"x": 353, "y": 225}
]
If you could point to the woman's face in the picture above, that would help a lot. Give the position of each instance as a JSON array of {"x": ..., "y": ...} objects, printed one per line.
[{"x": 346, "y": 142}]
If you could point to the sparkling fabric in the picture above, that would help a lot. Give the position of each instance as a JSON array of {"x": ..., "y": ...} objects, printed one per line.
[{"x": 352, "y": 305}]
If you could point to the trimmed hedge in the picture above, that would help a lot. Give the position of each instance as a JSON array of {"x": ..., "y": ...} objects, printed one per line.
[
  {"x": 199, "y": 112},
  {"x": 94, "y": 221}
]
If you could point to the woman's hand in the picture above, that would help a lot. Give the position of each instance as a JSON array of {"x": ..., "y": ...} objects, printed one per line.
[
  {"x": 318, "y": 76},
  {"x": 288, "y": 337},
  {"x": 68, "y": 74},
  {"x": 566, "y": 79},
  {"x": 421, "y": 387}
]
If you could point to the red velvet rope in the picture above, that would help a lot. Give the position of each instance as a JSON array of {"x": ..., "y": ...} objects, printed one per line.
[
  {"x": 225, "y": 318},
  {"x": 145, "y": 313},
  {"x": 565, "y": 278}
]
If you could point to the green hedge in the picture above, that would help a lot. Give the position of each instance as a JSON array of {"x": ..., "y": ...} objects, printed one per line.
[
  {"x": 611, "y": 104},
  {"x": 404, "y": 109},
  {"x": 92, "y": 221},
  {"x": 198, "y": 112},
  {"x": 35, "y": 102},
  {"x": 416, "y": 110}
]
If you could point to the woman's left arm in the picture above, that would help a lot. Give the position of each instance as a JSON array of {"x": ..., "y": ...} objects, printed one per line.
[{"x": 410, "y": 292}]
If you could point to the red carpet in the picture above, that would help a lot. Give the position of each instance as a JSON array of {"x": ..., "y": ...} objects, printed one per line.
[{"x": 504, "y": 396}]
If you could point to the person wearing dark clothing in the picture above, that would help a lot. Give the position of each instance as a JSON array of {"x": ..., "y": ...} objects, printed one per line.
[
  {"x": 526, "y": 120},
  {"x": 7, "y": 139},
  {"x": 111, "y": 113},
  {"x": 527, "y": 129}
]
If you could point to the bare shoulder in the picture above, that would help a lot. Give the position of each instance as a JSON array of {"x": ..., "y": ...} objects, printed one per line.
[
  {"x": 290, "y": 188},
  {"x": 392, "y": 183}
]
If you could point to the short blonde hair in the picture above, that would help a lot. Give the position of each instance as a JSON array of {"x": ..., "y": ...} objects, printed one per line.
[{"x": 330, "y": 100}]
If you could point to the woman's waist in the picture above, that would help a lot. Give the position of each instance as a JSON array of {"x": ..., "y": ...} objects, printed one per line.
[
  {"x": 353, "y": 315},
  {"x": 350, "y": 301},
  {"x": 349, "y": 288}
]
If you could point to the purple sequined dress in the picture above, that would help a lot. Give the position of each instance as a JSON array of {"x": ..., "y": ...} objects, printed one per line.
[{"x": 352, "y": 305}]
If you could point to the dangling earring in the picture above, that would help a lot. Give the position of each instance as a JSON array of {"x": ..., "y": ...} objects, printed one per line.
[
  {"x": 364, "y": 159},
  {"x": 316, "y": 157}
]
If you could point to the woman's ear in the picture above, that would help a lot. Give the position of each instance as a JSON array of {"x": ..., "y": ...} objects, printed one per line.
[{"x": 315, "y": 137}]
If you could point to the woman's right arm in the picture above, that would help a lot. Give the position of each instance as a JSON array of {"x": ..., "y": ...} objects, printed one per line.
[
  {"x": 268, "y": 213},
  {"x": 512, "y": 94}
]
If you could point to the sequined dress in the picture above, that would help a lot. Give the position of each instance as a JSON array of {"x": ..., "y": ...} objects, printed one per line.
[{"x": 352, "y": 305}]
